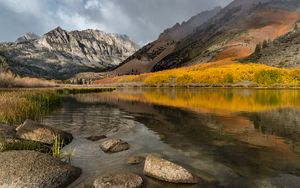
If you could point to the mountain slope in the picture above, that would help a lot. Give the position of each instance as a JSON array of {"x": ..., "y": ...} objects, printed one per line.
[
  {"x": 234, "y": 32},
  {"x": 230, "y": 33},
  {"x": 282, "y": 52},
  {"x": 60, "y": 54},
  {"x": 148, "y": 56}
]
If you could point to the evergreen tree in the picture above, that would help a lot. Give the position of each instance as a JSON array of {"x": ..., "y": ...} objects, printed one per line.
[
  {"x": 265, "y": 44},
  {"x": 257, "y": 49}
]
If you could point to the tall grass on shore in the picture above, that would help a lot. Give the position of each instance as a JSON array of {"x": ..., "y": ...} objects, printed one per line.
[
  {"x": 9, "y": 80},
  {"x": 19, "y": 105}
]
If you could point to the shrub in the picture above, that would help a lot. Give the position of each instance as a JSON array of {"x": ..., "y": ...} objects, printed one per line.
[
  {"x": 268, "y": 77},
  {"x": 228, "y": 78}
]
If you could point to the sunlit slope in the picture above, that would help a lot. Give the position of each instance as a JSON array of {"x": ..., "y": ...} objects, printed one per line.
[{"x": 220, "y": 72}]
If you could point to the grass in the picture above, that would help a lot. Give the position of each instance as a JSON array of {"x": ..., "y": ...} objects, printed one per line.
[
  {"x": 9, "y": 80},
  {"x": 24, "y": 145},
  {"x": 57, "y": 147},
  {"x": 18, "y": 105},
  {"x": 67, "y": 91}
]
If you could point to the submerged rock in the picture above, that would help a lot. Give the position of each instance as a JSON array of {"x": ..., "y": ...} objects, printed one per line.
[
  {"x": 119, "y": 180},
  {"x": 164, "y": 170},
  {"x": 96, "y": 138},
  {"x": 32, "y": 169},
  {"x": 133, "y": 160},
  {"x": 114, "y": 145},
  {"x": 31, "y": 130}
]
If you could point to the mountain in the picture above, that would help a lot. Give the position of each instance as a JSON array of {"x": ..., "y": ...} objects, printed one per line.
[
  {"x": 282, "y": 52},
  {"x": 27, "y": 37},
  {"x": 232, "y": 33},
  {"x": 60, "y": 54},
  {"x": 151, "y": 54}
]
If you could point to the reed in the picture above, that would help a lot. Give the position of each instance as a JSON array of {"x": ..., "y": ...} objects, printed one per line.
[
  {"x": 19, "y": 105},
  {"x": 57, "y": 147}
]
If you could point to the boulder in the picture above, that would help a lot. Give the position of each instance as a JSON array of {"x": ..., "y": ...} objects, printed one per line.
[
  {"x": 7, "y": 132},
  {"x": 133, "y": 160},
  {"x": 164, "y": 170},
  {"x": 119, "y": 180},
  {"x": 114, "y": 145},
  {"x": 31, "y": 130},
  {"x": 96, "y": 138},
  {"x": 32, "y": 169}
]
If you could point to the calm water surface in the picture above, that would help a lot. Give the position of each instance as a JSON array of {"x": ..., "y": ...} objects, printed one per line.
[{"x": 228, "y": 137}]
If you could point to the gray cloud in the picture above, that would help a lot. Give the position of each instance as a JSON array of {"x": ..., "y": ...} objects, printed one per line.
[{"x": 142, "y": 20}]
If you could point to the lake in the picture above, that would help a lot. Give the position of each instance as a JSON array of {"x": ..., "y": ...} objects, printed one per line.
[{"x": 227, "y": 137}]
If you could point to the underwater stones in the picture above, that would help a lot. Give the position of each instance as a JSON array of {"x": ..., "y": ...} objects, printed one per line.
[
  {"x": 133, "y": 160},
  {"x": 31, "y": 130},
  {"x": 33, "y": 169},
  {"x": 119, "y": 180},
  {"x": 96, "y": 138},
  {"x": 164, "y": 170},
  {"x": 114, "y": 145}
]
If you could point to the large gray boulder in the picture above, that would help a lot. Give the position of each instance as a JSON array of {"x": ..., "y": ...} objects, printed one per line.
[
  {"x": 114, "y": 145},
  {"x": 119, "y": 180},
  {"x": 32, "y": 169},
  {"x": 164, "y": 170},
  {"x": 31, "y": 130}
]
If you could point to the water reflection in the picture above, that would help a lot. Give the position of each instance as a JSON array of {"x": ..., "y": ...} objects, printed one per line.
[{"x": 230, "y": 138}]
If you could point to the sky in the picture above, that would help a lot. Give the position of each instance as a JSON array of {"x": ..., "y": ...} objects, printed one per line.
[{"x": 141, "y": 20}]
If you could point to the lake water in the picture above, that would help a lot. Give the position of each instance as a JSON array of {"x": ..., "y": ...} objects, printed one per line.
[{"x": 228, "y": 137}]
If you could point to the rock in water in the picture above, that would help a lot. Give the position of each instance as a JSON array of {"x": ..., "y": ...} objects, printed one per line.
[
  {"x": 96, "y": 138},
  {"x": 119, "y": 180},
  {"x": 167, "y": 171},
  {"x": 114, "y": 145},
  {"x": 133, "y": 160},
  {"x": 31, "y": 130},
  {"x": 32, "y": 169}
]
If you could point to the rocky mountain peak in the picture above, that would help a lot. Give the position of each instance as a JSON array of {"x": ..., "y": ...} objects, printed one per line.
[
  {"x": 60, "y": 54},
  {"x": 27, "y": 37}
]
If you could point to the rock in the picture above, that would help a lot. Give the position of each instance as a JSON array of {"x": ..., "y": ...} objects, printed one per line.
[
  {"x": 31, "y": 130},
  {"x": 114, "y": 145},
  {"x": 7, "y": 133},
  {"x": 32, "y": 169},
  {"x": 133, "y": 160},
  {"x": 119, "y": 180},
  {"x": 96, "y": 138},
  {"x": 167, "y": 171},
  {"x": 10, "y": 141}
]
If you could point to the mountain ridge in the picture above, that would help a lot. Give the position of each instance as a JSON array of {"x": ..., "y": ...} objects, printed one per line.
[
  {"x": 60, "y": 54},
  {"x": 232, "y": 32}
]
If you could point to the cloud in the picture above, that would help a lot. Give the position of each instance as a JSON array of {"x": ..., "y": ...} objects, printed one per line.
[{"x": 142, "y": 20}]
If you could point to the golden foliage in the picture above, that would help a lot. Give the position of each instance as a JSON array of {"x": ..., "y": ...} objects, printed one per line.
[{"x": 218, "y": 73}]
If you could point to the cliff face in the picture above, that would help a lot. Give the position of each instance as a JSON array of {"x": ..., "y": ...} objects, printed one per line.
[{"x": 60, "y": 54}]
